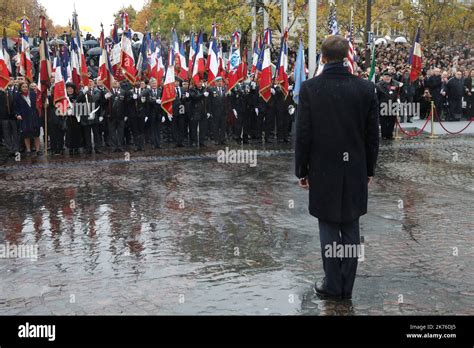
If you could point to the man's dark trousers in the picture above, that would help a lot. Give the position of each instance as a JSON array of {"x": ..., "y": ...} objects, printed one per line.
[{"x": 340, "y": 272}]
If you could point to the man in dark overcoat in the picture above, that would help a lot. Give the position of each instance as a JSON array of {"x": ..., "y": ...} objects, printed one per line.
[{"x": 337, "y": 141}]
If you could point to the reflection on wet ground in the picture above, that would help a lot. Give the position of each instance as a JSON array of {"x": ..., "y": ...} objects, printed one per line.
[{"x": 187, "y": 235}]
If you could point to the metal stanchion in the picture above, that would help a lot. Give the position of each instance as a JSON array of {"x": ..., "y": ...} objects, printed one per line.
[
  {"x": 432, "y": 135},
  {"x": 397, "y": 124}
]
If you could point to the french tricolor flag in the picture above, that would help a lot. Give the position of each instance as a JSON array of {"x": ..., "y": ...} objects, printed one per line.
[
  {"x": 415, "y": 58},
  {"x": 198, "y": 66},
  {"x": 282, "y": 68},
  {"x": 213, "y": 59},
  {"x": 61, "y": 100},
  {"x": 169, "y": 91},
  {"x": 265, "y": 71}
]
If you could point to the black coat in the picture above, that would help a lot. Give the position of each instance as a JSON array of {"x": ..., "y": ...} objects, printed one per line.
[
  {"x": 6, "y": 105},
  {"x": 337, "y": 142},
  {"x": 140, "y": 105}
]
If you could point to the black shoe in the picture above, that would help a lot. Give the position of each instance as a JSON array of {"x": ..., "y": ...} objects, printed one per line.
[
  {"x": 98, "y": 152},
  {"x": 322, "y": 292},
  {"x": 39, "y": 153},
  {"x": 71, "y": 153},
  {"x": 202, "y": 145},
  {"x": 268, "y": 141},
  {"x": 138, "y": 149},
  {"x": 179, "y": 145},
  {"x": 89, "y": 152}
]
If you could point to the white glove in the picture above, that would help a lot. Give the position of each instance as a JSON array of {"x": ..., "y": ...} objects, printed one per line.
[
  {"x": 108, "y": 95},
  {"x": 401, "y": 85},
  {"x": 49, "y": 92},
  {"x": 187, "y": 95},
  {"x": 290, "y": 87},
  {"x": 143, "y": 99},
  {"x": 158, "y": 101},
  {"x": 125, "y": 119},
  {"x": 256, "y": 111},
  {"x": 91, "y": 117},
  {"x": 146, "y": 119},
  {"x": 253, "y": 85},
  {"x": 85, "y": 89},
  {"x": 235, "y": 112},
  {"x": 163, "y": 119},
  {"x": 206, "y": 94},
  {"x": 208, "y": 115},
  {"x": 170, "y": 118},
  {"x": 273, "y": 90},
  {"x": 69, "y": 112},
  {"x": 135, "y": 96},
  {"x": 101, "y": 119}
]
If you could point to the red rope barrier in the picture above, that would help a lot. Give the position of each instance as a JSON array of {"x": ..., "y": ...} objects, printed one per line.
[
  {"x": 453, "y": 133},
  {"x": 417, "y": 133}
]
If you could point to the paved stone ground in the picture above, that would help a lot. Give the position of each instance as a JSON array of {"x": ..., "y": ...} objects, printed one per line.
[{"x": 187, "y": 235}]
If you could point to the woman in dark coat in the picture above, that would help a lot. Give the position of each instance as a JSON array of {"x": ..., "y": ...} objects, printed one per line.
[
  {"x": 73, "y": 125},
  {"x": 25, "y": 110}
]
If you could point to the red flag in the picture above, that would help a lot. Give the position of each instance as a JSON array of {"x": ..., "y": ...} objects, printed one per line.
[{"x": 45, "y": 72}]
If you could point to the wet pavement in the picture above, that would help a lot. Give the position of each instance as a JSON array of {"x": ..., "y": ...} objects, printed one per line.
[{"x": 175, "y": 232}]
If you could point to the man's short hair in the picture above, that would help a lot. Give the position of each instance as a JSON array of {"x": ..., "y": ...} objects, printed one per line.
[{"x": 335, "y": 48}]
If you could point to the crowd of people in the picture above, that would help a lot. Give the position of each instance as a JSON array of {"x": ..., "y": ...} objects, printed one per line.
[{"x": 131, "y": 116}]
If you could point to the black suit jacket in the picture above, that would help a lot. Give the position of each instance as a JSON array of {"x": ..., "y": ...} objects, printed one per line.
[{"x": 337, "y": 142}]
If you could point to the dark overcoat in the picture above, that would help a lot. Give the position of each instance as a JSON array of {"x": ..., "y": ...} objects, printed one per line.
[{"x": 337, "y": 142}]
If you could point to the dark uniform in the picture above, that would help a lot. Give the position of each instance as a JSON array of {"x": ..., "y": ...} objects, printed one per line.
[
  {"x": 90, "y": 119},
  {"x": 156, "y": 116},
  {"x": 238, "y": 104},
  {"x": 74, "y": 140},
  {"x": 56, "y": 126},
  {"x": 9, "y": 122},
  {"x": 116, "y": 120},
  {"x": 455, "y": 91},
  {"x": 198, "y": 116},
  {"x": 387, "y": 92},
  {"x": 218, "y": 109},
  {"x": 178, "y": 123},
  {"x": 138, "y": 112}
]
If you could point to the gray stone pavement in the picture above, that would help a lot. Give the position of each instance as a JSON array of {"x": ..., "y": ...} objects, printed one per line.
[{"x": 187, "y": 235}]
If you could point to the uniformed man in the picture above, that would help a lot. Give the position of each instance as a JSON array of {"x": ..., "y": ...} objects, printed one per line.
[
  {"x": 156, "y": 113},
  {"x": 120, "y": 96},
  {"x": 178, "y": 123},
  {"x": 199, "y": 114},
  {"x": 139, "y": 112},
  {"x": 89, "y": 97},
  {"x": 388, "y": 94},
  {"x": 218, "y": 108}
]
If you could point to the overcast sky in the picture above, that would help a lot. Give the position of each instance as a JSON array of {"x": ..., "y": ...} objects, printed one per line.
[{"x": 90, "y": 12}]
